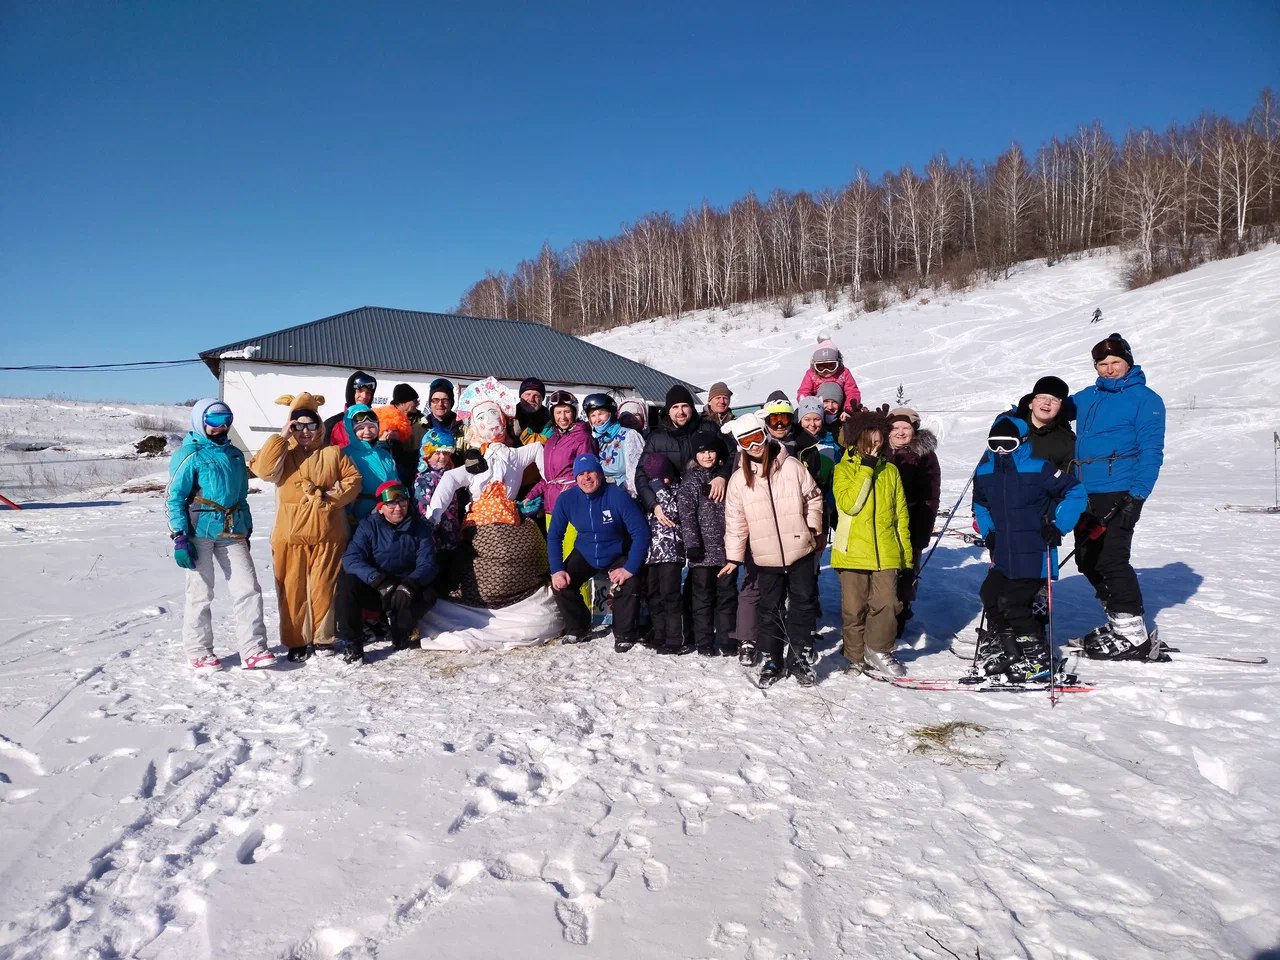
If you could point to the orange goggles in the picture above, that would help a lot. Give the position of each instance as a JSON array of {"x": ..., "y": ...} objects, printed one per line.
[{"x": 752, "y": 439}]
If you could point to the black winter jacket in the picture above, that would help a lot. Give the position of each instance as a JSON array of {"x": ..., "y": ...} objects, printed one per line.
[
  {"x": 676, "y": 444},
  {"x": 701, "y": 518},
  {"x": 1056, "y": 442},
  {"x": 917, "y": 464}
]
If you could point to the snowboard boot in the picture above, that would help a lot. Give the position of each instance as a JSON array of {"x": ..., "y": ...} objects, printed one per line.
[{"x": 770, "y": 673}]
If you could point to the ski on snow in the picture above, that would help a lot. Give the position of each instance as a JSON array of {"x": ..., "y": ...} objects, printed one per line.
[{"x": 1066, "y": 683}]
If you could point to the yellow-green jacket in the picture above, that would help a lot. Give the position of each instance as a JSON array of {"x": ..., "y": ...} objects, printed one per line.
[{"x": 871, "y": 516}]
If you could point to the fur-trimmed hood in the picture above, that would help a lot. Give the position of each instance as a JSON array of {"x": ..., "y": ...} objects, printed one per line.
[{"x": 924, "y": 442}]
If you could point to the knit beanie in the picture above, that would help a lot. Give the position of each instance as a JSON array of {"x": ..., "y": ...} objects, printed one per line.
[
  {"x": 719, "y": 389},
  {"x": 831, "y": 390},
  {"x": 403, "y": 393},
  {"x": 677, "y": 394},
  {"x": 808, "y": 405},
  {"x": 533, "y": 383},
  {"x": 826, "y": 354},
  {"x": 1054, "y": 386},
  {"x": 706, "y": 440},
  {"x": 1114, "y": 346},
  {"x": 1004, "y": 434},
  {"x": 863, "y": 421},
  {"x": 441, "y": 385},
  {"x": 657, "y": 467},
  {"x": 587, "y": 463}
]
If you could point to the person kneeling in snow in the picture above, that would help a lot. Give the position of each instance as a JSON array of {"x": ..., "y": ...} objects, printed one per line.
[
  {"x": 1036, "y": 503},
  {"x": 389, "y": 565},
  {"x": 613, "y": 535},
  {"x": 209, "y": 521}
]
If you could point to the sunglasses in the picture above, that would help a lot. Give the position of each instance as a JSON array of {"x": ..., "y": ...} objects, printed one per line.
[
  {"x": 1003, "y": 444},
  {"x": 826, "y": 369},
  {"x": 305, "y": 427},
  {"x": 779, "y": 419},
  {"x": 217, "y": 420},
  {"x": 394, "y": 495},
  {"x": 752, "y": 439}
]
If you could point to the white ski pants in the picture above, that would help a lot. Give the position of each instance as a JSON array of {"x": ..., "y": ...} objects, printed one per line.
[{"x": 232, "y": 557}]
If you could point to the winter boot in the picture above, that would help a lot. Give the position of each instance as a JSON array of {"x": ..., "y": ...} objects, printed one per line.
[
  {"x": 299, "y": 654},
  {"x": 747, "y": 655},
  {"x": 353, "y": 652},
  {"x": 885, "y": 663},
  {"x": 770, "y": 673},
  {"x": 1123, "y": 637},
  {"x": 802, "y": 669}
]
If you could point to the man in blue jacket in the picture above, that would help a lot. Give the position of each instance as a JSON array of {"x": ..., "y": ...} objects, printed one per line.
[
  {"x": 1023, "y": 506},
  {"x": 613, "y": 535},
  {"x": 1119, "y": 450},
  {"x": 389, "y": 565}
]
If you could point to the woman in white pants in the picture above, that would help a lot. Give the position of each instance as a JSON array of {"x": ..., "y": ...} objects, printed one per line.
[{"x": 209, "y": 524}]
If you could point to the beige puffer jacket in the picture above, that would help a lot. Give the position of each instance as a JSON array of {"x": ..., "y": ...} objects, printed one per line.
[{"x": 780, "y": 515}]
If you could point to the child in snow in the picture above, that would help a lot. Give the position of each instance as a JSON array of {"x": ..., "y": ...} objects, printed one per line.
[
  {"x": 827, "y": 366},
  {"x": 435, "y": 457},
  {"x": 369, "y": 450},
  {"x": 1034, "y": 503},
  {"x": 872, "y": 543},
  {"x": 714, "y": 598},
  {"x": 831, "y": 394},
  {"x": 821, "y": 464},
  {"x": 209, "y": 520},
  {"x": 665, "y": 560}
]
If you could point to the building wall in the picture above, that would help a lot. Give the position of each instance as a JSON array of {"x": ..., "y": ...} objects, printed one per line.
[{"x": 250, "y": 388}]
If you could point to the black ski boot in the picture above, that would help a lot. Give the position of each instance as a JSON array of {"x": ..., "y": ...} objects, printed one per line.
[{"x": 770, "y": 673}]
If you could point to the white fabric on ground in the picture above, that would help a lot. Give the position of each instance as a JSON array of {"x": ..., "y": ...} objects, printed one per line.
[{"x": 454, "y": 626}]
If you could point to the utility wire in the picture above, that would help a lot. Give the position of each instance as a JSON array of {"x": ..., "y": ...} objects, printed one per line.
[{"x": 98, "y": 367}]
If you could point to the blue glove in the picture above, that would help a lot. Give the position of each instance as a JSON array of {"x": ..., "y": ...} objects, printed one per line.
[
  {"x": 184, "y": 552},
  {"x": 531, "y": 507}
]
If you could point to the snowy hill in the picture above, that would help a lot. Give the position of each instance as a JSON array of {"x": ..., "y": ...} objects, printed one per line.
[{"x": 570, "y": 802}]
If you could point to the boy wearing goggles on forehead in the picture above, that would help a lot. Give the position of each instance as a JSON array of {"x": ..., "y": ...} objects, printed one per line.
[
  {"x": 314, "y": 484},
  {"x": 1034, "y": 503},
  {"x": 361, "y": 387},
  {"x": 389, "y": 566},
  {"x": 208, "y": 507}
]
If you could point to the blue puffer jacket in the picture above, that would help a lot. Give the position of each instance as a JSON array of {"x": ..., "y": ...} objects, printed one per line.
[
  {"x": 608, "y": 523},
  {"x": 213, "y": 470},
  {"x": 1119, "y": 435},
  {"x": 1013, "y": 494},
  {"x": 374, "y": 460},
  {"x": 404, "y": 550}
]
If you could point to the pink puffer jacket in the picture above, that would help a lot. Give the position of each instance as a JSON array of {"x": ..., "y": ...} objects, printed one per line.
[
  {"x": 558, "y": 454},
  {"x": 780, "y": 515}
]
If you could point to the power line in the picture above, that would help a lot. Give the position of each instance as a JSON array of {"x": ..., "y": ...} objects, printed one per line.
[{"x": 99, "y": 367}]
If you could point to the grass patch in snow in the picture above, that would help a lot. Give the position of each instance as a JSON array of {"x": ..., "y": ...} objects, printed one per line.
[{"x": 954, "y": 742}]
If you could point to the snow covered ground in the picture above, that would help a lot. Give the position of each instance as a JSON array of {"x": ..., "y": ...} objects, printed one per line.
[{"x": 570, "y": 802}]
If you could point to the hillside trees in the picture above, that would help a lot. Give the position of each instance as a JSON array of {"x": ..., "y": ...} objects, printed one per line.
[{"x": 1210, "y": 188}]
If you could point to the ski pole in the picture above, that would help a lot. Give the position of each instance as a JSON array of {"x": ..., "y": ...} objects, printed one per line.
[
  {"x": 973, "y": 668},
  {"x": 950, "y": 516},
  {"x": 1048, "y": 595},
  {"x": 1093, "y": 534}
]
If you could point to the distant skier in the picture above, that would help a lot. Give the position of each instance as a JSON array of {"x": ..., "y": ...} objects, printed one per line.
[
  {"x": 1119, "y": 450},
  {"x": 1097, "y": 315}
]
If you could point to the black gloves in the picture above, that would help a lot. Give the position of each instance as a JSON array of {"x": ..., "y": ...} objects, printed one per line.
[
  {"x": 1052, "y": 535},
  {"x": 1130, "y": 510},
  {"x": 402, "y": 596},
  {"x": 869, "y": 461},
  {"x": 695, "y": 554},
  {"x": 990, "y": 540},
  {"x": 386, "y": 586},
  {"x": 474, "y": 462}
]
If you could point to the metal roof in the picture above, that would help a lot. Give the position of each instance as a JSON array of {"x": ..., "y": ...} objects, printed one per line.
[{"x": 444, "y": 344}]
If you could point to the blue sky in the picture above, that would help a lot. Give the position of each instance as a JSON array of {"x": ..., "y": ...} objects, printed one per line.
[{"x": 174, "y": 176}]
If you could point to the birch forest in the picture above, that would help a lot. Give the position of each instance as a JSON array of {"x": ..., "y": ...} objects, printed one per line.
[{"x": 1195, "y": 192}]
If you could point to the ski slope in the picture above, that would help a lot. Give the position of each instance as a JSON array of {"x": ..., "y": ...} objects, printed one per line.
[{"x": 570, "y": 802}]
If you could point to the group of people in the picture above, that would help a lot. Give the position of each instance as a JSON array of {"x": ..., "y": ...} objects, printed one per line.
[{"x": 703, "y": 528}]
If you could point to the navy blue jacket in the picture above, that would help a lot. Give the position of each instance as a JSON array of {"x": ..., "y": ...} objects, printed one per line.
[
  {"x": 1013, "y": 494},
  {"x": 406, "y": 550},
  {"x": 607, "y": 523},
  {"x": 1120, "y": 435}
]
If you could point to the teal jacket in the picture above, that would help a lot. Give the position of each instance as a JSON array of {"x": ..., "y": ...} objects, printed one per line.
[
  {"x": 208, "y": 492},
  {"x": 374, "y": 461}
]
